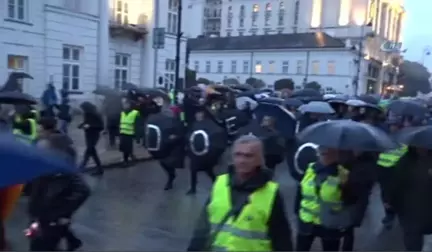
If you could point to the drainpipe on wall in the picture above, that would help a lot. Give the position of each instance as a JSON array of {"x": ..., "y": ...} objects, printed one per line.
[
  {"x": 103, "y": 45},
  {"x": 251, "y": 68},
  {"x": 305, "y": 79}
]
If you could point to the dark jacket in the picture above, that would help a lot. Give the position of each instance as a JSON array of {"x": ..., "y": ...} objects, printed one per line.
[
  {"x": 409, "y": 191},
  {"x": 57, "y": 196},
  {"x": 64, "y": 111},
  {"x": 95, "y": 122},
  {"x": 279, "y": 230}
]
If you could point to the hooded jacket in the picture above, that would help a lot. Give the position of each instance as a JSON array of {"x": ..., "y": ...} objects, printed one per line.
[{"x": 279, "y": 230}]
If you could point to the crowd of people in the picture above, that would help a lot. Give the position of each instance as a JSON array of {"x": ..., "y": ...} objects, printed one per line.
[{"x": 245, "y": 210}]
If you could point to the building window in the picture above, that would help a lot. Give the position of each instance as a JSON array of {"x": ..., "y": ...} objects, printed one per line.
[
  {"x": 242, "y": 11},
  {"x": 285, "y": 67},
  {"x": 315, "y": 67},
  {"x": 331, "y": 67},
  {"x": 241, "y": 22},
  {"x": 170, "y": 66},
  {"x": 122, "y": 68},
  {"x": 296, "y": 15},
  {"x": 208, "y": 67},
  {"x": 271, "y": 66},
  {"x": 316, "y": 13},
  {"x": 344, "y": 12},
  {"x": 246, "y": 66},
  {"x": 255, "y": 11},
  {"x": 196, "y": 66},
  {"x": 228, "y": 34},
  {"x": 172, "y": 16},
  {"x": 220, "y": 66},
  {"x": 17, "y": 64},
  {"x": 240, "y": 33},
  {"x": 71, "y": 67},
  {"x": 121, "y": 12},
  {"x": 234, "y": 66},
  {"x": 230, "y": 17},
  {"x": 255, "y": 8},
  {"x": 281, "y": 15},
  {"x": 267, "y": 14},
  {"x": 299, "y": 66},
  {"x": 17, "y": 9},
  {"x": 258, "y": 67}
]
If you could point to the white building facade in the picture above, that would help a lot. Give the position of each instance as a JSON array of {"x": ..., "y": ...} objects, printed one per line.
[
  {"x": 332, "y": 67},
  {"x": 77, "y": 44}
]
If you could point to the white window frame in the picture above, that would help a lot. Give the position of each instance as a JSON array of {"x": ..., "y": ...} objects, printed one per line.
[
  {"x": 258, "y": 67},
  {"x": 272, "y": 65},
  {"x": 122, "y": 70},
  {"x": 17, "y": 7},
  {"x": 246, "y": 68},
  {"x": 331, "y": 67},
  {"x": 233, "y": 66},
  {"x": 71, "y": 63},
  {"x": 300, "y": 66},
  {"x": 172, "y": 16},
  {"x": 285, "y": 67},
  {"x": 219, "y": 66},
  {"x": 21, "y": 66},
  {"x": 196, "y": 66},
  {"x": 121, "y": 12},
  {"x": 208, "y": 67},
  {"x": 170, "y": 65},
  {"x": 315, "y": 67}
]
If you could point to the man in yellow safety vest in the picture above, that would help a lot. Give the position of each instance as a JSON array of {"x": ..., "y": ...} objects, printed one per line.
[
  {"x": 245, "y": 211},
  {"x": 128, "y": 119},
  {"x": 24, "y": 125}
]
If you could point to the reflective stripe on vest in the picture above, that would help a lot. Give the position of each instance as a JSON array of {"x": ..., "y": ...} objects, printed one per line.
[
  {"x": 329, "y": 194},
  {"x": 127, "y": 122},
  {"x": 28, "y": 139},
  {"x": 247, "y": 232},
  {"x": 390, "y": 158}
]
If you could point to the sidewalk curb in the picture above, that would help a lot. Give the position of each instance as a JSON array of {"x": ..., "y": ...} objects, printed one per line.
[{"x": 117, "y": 164}]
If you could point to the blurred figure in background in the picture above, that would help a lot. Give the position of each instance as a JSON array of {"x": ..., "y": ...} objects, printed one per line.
[
  {"x": 92, "y": 126},
  {"x": 49, "y": 101},
  {"x": 64, "y": 113},
  {"x": 54, "y": 200}
]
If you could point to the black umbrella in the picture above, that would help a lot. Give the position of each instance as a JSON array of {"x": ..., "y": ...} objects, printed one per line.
[
  {"x": 17, "y": 98},
  {"x": 241, "y": 87},
  {"x": 285, "y": 120},
  {"x": 407, "y": 108},
  {"x": 270, "y": 139},
  {"x": 272, "y": 100},
  {"x": 106, "y": 91},
  {"x": 307, "y": 93},
  {"x": 151, "y": 92},
  {"x": 292, "y": 102},
  {"x": 347, "y": 135},
  {"x": 369, "y": 99},
  {"x": 416, "y": 136},
  {"x": 163, "y": 132},
  {"x": 206, "y": 141}
]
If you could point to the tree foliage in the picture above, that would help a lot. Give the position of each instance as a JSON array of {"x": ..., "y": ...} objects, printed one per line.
[
  {"x": 231, "y": 81},
  {"x": 313, "y": 85},
  {"x": 414, "y": 77},
  {"x": 204, "y": 81},
  {"x": 284, "y": 84},
  {"x": 255, "y": 83}
]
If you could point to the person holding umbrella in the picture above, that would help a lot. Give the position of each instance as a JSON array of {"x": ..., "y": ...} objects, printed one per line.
[
  {"x": 328, "y": 198},
  {"x": 410, "y": 186}
]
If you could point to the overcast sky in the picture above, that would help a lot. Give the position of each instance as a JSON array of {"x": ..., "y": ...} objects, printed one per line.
[{"x": 417, "y": 33}]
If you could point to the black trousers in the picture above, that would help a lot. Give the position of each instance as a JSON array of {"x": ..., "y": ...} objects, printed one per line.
[
  {"x": 304, "y": 243},
  {"x": 48, "y": 239},
  {"x": 348, "y": 240},
  {"x": 196, "y": 167},
  {"x": 91, "y": 151},
  {"x": 112, "y": 136},
  {"x": 170, "y": 171}
]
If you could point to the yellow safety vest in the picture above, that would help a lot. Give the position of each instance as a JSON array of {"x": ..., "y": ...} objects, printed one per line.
[
  {"x": 247, "y": 232},
  {"x": 313, "y": 197},
  {"x": 390, "y": 158},
  {"x": 28, "y": 139},
  {"x": 127, "y": 122}
]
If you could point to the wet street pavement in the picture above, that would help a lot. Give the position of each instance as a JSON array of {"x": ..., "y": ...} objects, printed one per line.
[{"x": 130, "y": 211}]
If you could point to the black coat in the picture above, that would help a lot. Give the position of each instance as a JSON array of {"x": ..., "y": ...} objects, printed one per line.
[
  {"x": 96, "y": 125},
  {"x": 279, "y": 230},
  {"x": 57, "y": 196}
]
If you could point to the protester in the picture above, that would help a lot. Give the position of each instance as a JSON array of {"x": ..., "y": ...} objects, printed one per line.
[
  {"x": 64, "y": 112},
  {"x": 230, "y": 220},
  {"x": 24, "y": 126},
  {"x": 53, "y": 201},
  {"x": 128, "y": 120},
  {"x": 49, "y": 101},
  {"x": 92, "y": 126}
]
